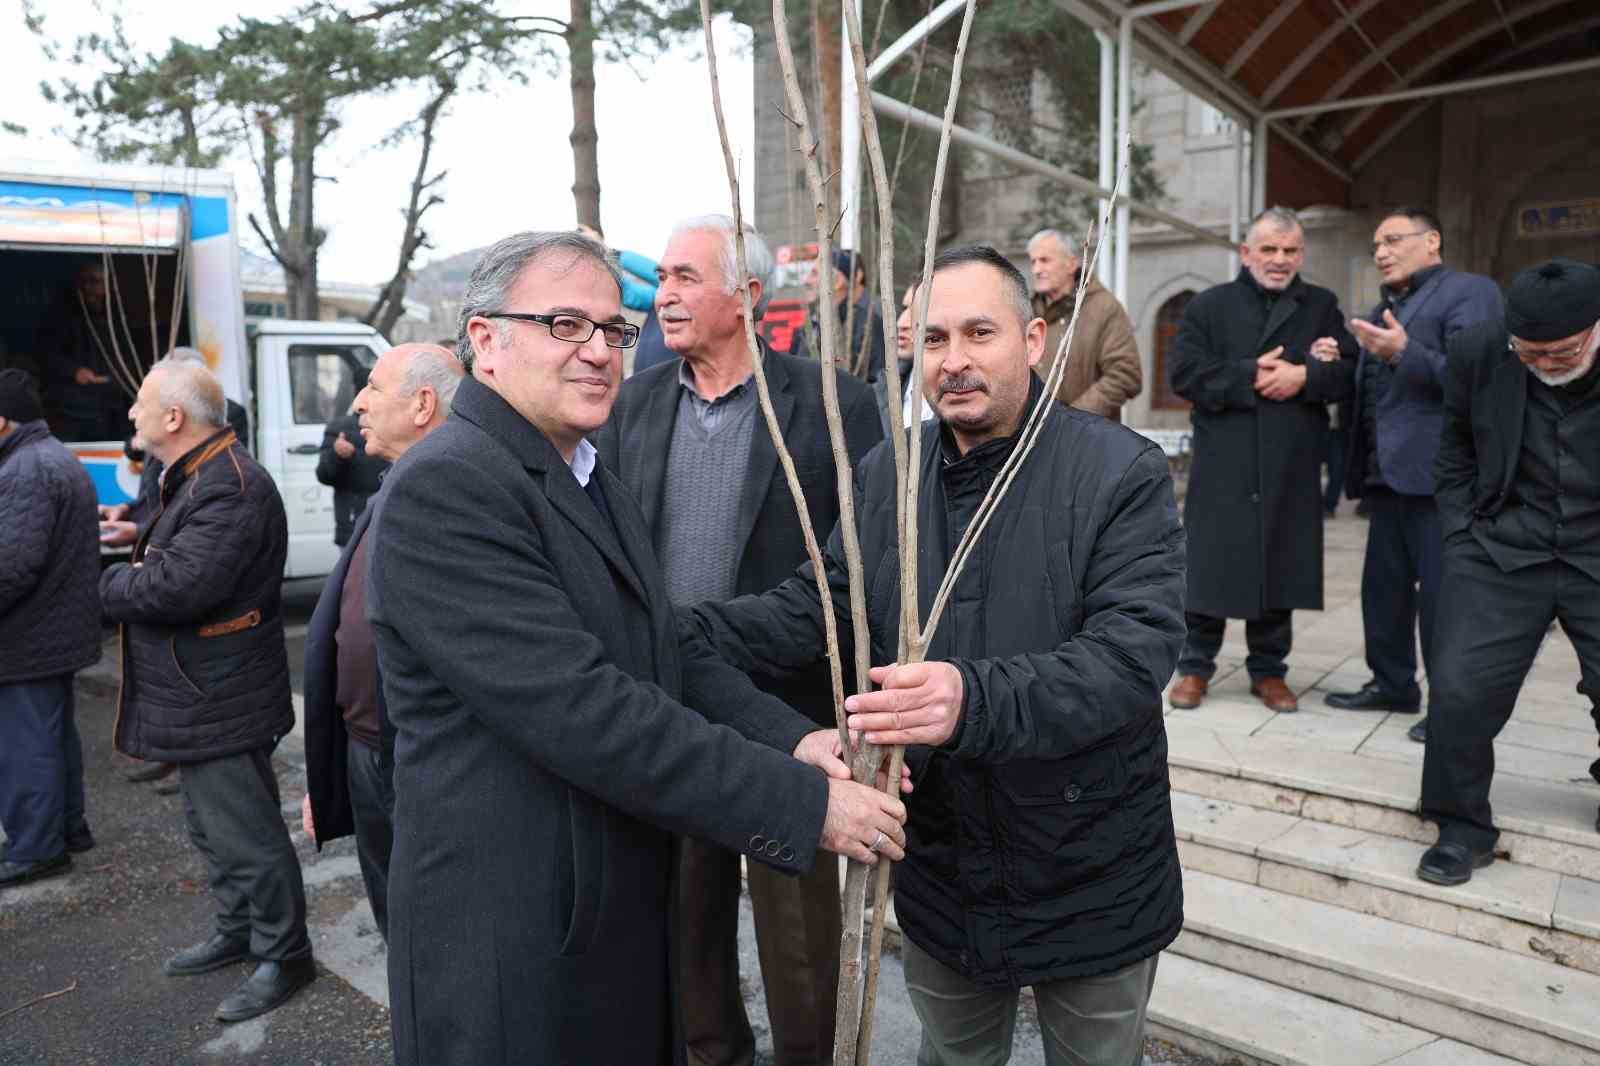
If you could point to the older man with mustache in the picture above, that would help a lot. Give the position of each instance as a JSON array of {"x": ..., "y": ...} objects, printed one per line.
[{"x": 687, "y": 439}]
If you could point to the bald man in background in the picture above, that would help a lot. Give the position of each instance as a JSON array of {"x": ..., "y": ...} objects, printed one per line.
[
  {"x": 205, "y": 676},
  {"x": 349, "y": 745}
]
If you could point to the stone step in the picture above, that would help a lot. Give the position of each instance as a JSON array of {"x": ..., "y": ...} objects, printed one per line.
[
  {"x": 1524, "y": 1008},
  {"x": 1523, "y": 909},
  {"x": 1232, "y": 1018},
  {"x": 1549, "y": 824}
]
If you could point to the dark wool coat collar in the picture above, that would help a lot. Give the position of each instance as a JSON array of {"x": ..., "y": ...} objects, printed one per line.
[
  {"x": 483, "y": 407},
  {"x": 1248, "y": 280}
]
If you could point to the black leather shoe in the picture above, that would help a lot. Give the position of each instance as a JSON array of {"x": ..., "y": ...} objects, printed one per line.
[
  {"x": 154, "y": 771},
  {"x": 267, "y": 989},
  {"x": 1369, "y": 698},
  {"x": 208, "y": 955},
  {"x": 1451, "y": 863},
  {"x": 1419, "y": 731},
  {"x": 19, "y": 873},
  {"x": 80, "y": 839}
]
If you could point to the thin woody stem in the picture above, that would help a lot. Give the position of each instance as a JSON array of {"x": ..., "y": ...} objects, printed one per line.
[{"x": 813, "y": 550}]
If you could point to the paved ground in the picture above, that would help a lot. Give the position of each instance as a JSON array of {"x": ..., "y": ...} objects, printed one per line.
[
  {"x": 1551, "y": 735},
  {"x": 102, "y": 931}
]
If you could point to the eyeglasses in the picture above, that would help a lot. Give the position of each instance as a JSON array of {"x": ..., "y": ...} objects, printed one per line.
[
  {"x": 575, "y": 328},
  {"x": 1393, "y": 240},
  {"x": 1560, "y": 355}
]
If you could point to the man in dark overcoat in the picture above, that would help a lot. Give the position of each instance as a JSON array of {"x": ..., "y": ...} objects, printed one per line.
[
  {"x": 1394, "y": 440},
  {"x": 1042, "y": 849},
  {"x": 533, "y": 675},
  {"x": 349, "y": 744},
  {"x": 1519, "y": 500},
  {"x": 688, "y": 440},
  {"x": 1260, "y": 357}
]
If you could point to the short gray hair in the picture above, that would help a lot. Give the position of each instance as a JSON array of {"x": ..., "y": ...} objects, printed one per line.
[
  {"x": 435, "y": 368},
  {"x": 757, "y": 255},
  {"x": 1068, "y": 245},
  {"x": 189, "y": 384},
  {"x": 1277, "y": 219},
  {"x": 505, "y": 261}
]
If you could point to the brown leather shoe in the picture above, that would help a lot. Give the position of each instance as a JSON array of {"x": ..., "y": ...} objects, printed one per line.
[
  {"x": 1275, "y": 694},
  {"x": 1188, "y": 692}
]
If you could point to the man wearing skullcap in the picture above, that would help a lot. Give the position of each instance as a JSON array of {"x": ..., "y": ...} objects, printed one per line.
[{"x": 1519, "y": 502}]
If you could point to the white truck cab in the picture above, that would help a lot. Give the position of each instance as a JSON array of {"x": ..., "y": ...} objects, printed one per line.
[
  {"x": 104, "y": 268},
  {"x": 304, "y": 374}
]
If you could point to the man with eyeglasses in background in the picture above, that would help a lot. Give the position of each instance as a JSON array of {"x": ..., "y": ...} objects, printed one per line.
[
  {"x": 1399, "y": 408},
  {"x": 1519, "y": 500}
]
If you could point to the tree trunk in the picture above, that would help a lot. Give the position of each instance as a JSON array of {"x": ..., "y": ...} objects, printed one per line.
[
  {"x": 585, "y": 136},
  {"x": 825, "y": 52},
  {"x": 390, "y": 305},
  {"x": 299, "y": 250}
]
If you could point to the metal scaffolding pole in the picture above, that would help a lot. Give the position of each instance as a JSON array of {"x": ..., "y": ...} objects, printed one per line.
[
  {"x": 1491, "y": 81},
  {"x": 1124, "y": 152},
  {"x": 849, "y": 142},
  {"x": 1258, "y": 166},
  {"x": 1235, "y": 198},
  {"x": 1108, "y": 139},
  {"x": 888, "y": 105}
]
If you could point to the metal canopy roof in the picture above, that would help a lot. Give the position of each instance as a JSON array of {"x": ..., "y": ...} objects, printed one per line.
[{"x": 1339, "y": 79}]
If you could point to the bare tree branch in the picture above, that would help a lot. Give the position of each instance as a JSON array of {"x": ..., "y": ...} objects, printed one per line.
[
  {"x": 785, "y": 458},
  {"x": 389, "y": 306}
]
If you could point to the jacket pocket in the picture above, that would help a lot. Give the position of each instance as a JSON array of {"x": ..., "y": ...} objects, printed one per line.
[
  {"x": 1065, "y": 826},
  {"x": 582, "y": 877},
  {"x": 177, "y": 666}
]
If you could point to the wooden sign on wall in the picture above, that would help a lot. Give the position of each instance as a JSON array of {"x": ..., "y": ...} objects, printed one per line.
[{"x": 1564, "y": 218}]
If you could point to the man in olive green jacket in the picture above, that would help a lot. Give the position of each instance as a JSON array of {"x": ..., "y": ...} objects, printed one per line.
[{"x": 1103, "y": 370}]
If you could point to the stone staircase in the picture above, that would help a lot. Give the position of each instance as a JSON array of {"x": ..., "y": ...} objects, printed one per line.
[{"x": 1309, "y": 939}]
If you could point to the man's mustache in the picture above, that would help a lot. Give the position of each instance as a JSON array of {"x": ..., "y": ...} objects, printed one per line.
[{"x": 964, "y": 383}]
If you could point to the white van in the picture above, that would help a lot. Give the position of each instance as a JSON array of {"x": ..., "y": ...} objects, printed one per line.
[{"x": 163, "y": 243}]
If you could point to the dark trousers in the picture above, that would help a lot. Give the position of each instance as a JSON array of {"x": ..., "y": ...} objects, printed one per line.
[
  {"x": 233, "y": 810},
  {"x": 1400, "y": 588},
  {"x": 1269, "y": 639},
  {"x": 41, "y": 768},
  {"x": 1334, "y": 454},
  {"x": 372, "y": 806},
  {"x": 797, "y": 937},
  {"x": 1490, "y": 626}
]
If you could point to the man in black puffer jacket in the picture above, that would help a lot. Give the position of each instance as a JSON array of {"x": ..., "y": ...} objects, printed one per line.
[
  {"x": 1040, "y": 847},
  {"x": 206, "y": 676},
  {"x": 49, "y": 628}
]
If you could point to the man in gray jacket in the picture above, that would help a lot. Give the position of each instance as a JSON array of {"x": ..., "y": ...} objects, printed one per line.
[{"x": 49, "y": 629}]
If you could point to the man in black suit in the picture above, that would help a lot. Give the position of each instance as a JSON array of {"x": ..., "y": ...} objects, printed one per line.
[
  {"x": 349, "y": 748},
  {"x": 688, "y": 439},
  {"x": 533, "y": 674},
  {"x": 1394, "y": 437},
  {"x": 1519, "y": 499}
]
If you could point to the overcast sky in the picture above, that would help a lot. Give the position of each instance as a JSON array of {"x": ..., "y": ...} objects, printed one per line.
[{"x": 507, "y": 152}]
